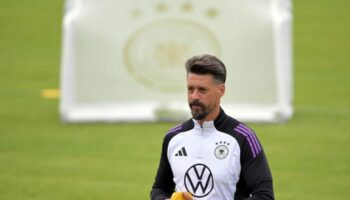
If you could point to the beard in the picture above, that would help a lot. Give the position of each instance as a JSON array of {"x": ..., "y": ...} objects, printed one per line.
[{"x": 198, "y": 110}]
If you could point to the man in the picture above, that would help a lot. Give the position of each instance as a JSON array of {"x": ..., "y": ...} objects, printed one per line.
[{"x": 212, "y": 156}]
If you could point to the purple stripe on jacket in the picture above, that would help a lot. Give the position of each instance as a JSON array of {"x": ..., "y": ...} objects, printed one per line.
[
  {"x": 252, "y": 140},
  {"x": 174, "y": 129}
]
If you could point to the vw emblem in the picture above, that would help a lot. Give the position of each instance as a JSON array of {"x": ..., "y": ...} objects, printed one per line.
[{"x": 199, "y": 180}]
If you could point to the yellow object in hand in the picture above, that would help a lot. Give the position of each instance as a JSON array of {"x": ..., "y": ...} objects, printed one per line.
[{"x": 181, "y": 196}]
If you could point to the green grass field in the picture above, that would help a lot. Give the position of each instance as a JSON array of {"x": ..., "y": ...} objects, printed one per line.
[{"x": 41, "y": 158}]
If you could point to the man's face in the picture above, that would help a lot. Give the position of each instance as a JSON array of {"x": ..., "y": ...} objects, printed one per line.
[{"x": 203, "y": 95}]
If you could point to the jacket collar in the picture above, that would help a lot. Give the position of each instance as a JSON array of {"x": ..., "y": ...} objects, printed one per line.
[{"x": 217, "y": 122}]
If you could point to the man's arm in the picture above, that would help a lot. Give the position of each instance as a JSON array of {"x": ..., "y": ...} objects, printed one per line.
[
  {"x": 258, "y": 180},
  {"x": 163, "y": 185},
  {"x": 255, "y": 180}
]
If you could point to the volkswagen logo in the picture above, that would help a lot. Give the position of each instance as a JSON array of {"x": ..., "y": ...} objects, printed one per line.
[{"x": 199, "y": 180}]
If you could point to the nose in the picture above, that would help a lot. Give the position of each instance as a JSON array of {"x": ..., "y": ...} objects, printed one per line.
[{"x": 195, "y": 94}]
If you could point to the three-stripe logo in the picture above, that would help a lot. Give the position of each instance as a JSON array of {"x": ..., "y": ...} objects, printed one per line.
[
  {"x": 251, "y": 138},
  {"x": 181, "y": 152}
]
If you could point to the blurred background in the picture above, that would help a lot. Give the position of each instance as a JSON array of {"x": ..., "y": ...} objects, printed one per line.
[
  {"x": 124, "y": 61},
  {"x": 43, "y": 158}
]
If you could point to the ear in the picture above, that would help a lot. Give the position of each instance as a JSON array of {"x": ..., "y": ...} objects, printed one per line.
[{"x": 222, "y": 89}]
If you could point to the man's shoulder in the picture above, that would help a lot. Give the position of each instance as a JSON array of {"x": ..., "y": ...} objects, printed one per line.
[
  {"x": 246, "y": 135},
  {"x": 235, "y": 128},
  {"x": 226, "y": 123},
  {"x": 185, "y": 126}
]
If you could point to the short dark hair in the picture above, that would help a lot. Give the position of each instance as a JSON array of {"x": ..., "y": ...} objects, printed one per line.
[{"x": 207, "y": 64}]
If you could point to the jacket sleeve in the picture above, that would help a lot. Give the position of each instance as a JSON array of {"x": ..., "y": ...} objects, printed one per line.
[
  {"x": 163, "y": 185},
  {"x": 255, "y": 179}
]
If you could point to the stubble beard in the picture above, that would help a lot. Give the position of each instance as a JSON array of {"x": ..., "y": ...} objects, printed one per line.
[{"x": 199, "y": 112}]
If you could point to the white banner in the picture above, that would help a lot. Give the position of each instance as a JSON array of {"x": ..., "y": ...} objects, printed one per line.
[{"x": 124, "y": 60}]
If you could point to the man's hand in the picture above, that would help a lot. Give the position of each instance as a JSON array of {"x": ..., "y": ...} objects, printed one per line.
[
  {"x": 181, "y": 196},
  {"x": 187, "y": 196}
]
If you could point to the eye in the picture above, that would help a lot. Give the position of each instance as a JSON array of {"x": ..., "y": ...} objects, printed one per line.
[
  {"x": 202, "y": 90},
  {"x": 190, "y": 89}
]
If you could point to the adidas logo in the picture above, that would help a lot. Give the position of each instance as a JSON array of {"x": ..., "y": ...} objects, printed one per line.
[{"x": 181, "y": 152}]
